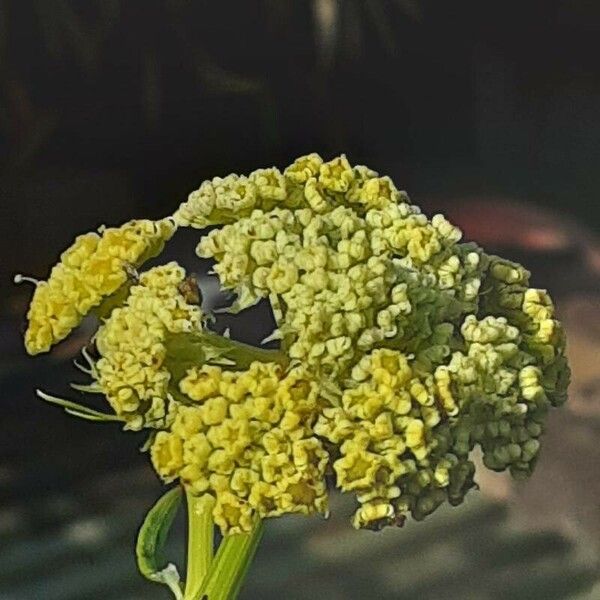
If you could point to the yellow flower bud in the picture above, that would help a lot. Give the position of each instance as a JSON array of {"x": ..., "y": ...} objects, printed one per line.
[
  {"x": 303, "y": 168},
  {"x": 90, "y": 271},
  {"x": 336, "y": 175}
]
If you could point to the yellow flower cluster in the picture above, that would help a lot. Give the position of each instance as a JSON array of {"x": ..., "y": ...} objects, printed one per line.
[
  {"x": 335, "y": 267},
  {"x": 246, "y": 438},
  {"x": 385, "y": 429},
  {"x": 531, "y": 311},
  {"x": 91, "y": 270},
  {"x": 333, "y": 291},
  {"x": 422, "y": 346},
  {"x": 401, "y": 348},
  {"x": 131, "y": 343},
  {"x": 225, "y": 199}
]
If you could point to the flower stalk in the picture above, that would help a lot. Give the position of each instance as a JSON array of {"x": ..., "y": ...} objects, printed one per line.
[
  {"x": 200, "y": 542},
  {"x": 231, "y": 564}
]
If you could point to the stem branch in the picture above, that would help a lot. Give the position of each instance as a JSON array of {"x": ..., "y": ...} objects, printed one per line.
[
  {"x": 233, "y": 558},
  {"x": 200, "y": 543}
]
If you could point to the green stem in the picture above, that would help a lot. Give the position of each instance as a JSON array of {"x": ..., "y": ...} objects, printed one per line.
[
  {"x": 200, "y": 543},
  {"x": 186, "y": 350},
  {"x": 243, "y": 354},
  {"x": 230, "y": 566}
]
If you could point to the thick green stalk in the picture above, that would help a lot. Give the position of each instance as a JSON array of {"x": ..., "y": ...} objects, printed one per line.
[
  {"x": 230, "y": 566},
  {"x": 200, "y": 543}
]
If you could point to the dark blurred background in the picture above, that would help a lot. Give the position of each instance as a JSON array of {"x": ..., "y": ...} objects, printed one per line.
[{"x": 488, "y": 111}]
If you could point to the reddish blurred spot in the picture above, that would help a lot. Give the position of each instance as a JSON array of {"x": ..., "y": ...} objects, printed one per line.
[{"x": 498, "y": 222}]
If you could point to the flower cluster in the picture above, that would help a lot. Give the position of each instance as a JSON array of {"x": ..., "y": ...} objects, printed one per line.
[
  {"x": 90, "y": 271},
  {"x": 401, "y": 348},
  {"x": 246, "y": 438},
  {"x": 131, "y": 370},
  {"x": 225, "y": 199},
  {"x": 424, "y": 347},
  {"x": 344, "y": 272},
  {"x": 392, "y": 454}
]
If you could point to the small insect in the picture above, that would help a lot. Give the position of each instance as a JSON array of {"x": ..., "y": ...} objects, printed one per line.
[
  {"x": 190, "y": 290},
  {"x": 131, "y": 272}
]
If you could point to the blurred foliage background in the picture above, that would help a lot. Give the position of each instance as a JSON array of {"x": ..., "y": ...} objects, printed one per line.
[
  {"x": 127, "y": 106},
  {"x": 488, "y": 111}
]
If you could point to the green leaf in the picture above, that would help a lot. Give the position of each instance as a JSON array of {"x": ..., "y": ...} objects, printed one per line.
[{"x": 151, "y": 541}]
